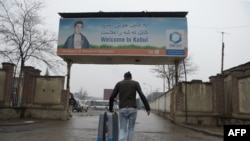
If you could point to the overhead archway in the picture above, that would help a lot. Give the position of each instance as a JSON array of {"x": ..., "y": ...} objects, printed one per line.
[{"x": 147, "y": 38}]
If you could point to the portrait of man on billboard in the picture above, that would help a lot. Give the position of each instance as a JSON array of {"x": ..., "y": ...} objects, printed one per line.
[{"x": 77, "y": 39}]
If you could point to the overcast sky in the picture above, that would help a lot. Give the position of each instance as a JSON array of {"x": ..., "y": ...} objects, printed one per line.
[{"x": 206, "y": 20}]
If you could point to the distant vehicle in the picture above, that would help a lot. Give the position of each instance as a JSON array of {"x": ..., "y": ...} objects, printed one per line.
[
  {"x": 85, "y": 105},
  {"x": 102, "y": 105},
  {"x": 80, "y": 106}
]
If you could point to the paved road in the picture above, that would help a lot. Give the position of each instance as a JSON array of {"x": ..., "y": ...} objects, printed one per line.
[{"x": 83, "y": 127}]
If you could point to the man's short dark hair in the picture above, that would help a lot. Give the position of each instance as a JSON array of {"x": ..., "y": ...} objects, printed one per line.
[
  {"x": 127, "y": 75},
  {"x": 78, "y": 22}
]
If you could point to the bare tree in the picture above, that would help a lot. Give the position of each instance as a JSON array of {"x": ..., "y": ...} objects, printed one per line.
[
  {"x": 167, "y": 72},
  {"x": 23, "y": 37},
  {"x": 82, "y": 94}
]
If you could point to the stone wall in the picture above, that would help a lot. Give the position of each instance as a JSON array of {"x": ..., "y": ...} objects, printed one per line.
[
  {"x": 223, "y": 100},
  {"x": 244, "y": 95},
  {"x": 42, "y": 96},
  {"x": 48, "y": 90}
]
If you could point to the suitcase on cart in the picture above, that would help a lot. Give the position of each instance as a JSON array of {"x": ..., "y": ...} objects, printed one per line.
[{"x": 108, "y": 128}]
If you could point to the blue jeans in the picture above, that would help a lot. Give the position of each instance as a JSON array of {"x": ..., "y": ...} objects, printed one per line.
[{"x": 127, "y": 118}]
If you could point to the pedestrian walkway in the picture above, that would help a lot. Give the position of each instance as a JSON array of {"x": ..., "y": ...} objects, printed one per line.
[
  {"x": 83, "y": 127},
  {"x": 215, "y": 131}
]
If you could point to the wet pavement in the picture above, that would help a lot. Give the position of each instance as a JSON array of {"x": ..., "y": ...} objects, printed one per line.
[{"x": 84, "y": 127}]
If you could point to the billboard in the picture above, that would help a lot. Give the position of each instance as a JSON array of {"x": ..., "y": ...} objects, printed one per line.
[{"x": 129, "y": 36}]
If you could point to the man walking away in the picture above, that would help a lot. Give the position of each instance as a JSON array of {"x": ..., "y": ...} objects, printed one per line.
[{"x": 127, "y": 89}]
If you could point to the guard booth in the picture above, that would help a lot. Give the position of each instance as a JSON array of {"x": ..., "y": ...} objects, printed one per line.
[{"x": 146, "y": 38}]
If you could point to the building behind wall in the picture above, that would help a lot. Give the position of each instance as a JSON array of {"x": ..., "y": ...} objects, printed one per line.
[{"x": 107, "y": 93}]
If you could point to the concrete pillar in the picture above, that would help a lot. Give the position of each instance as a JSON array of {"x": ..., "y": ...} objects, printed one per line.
[{"x": 9, "y": 81}]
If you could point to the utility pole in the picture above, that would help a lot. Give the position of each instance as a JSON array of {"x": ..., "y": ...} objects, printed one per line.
[
  {"x": 164, "y": 76},
  {"x": 222, "y": 52}
]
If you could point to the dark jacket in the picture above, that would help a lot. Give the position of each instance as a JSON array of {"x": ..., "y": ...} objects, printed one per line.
[
  {"x": 72, "y": 101},
  {"x": 127, "y": 94},
  {"x": 70, "y": 42}
]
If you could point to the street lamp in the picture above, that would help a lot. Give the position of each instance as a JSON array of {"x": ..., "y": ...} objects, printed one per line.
[{"x": 149, "y": 86}]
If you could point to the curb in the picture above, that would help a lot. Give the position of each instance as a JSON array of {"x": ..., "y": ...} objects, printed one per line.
[
  {"x": 202, "y": 130},
  {"x": 16, "y": 123}
]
